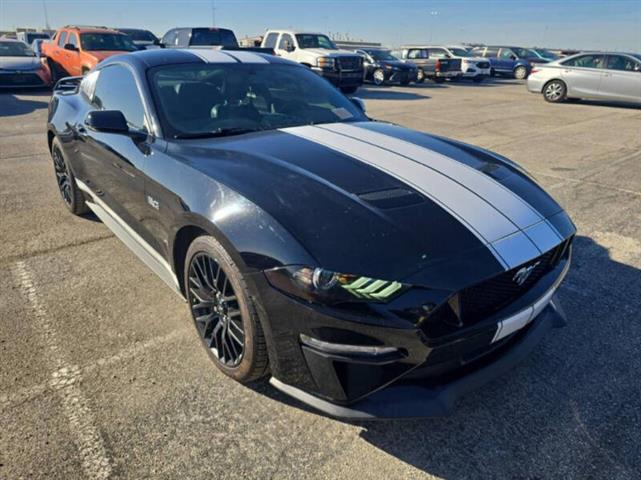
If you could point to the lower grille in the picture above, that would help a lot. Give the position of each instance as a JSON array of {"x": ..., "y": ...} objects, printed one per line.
[
  {"x": 349, "y": 63},
  {"x": 489, "y": 297},
  {"x": 19, "y": 79}
]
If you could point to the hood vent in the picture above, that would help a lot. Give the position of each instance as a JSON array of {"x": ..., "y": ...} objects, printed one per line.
[{"x": 391, "y": 198}]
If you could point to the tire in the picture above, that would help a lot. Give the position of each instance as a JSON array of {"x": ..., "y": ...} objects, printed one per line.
[
  {"x": 520, "y": 73},
  {"x": 348, "y": 90},
  {"x": 72, "y": 196},
  {"x": 555, "y": 91},
  {"x": 53, "y": 69},
  {"x": 492, "y": 72},
  {"x": 420, "y": 76},
  {"x": 378, "y": 77},
  {"x": 223, "y": 311}
]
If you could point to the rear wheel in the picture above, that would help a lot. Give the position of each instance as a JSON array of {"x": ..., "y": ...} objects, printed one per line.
[
  {"x": 554, "y": 91},
  {"x": 223, "y": 311},
  {"x": 378, "y": 77},
  {"x": 72, "y": 196},
  {"x": 520, "y": 73},
  {"x": 53, "y": 69}
]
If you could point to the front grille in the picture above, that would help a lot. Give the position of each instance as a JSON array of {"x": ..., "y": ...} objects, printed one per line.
[
  {"x": 19, "y": 79},
  {"x": 483, "y": 64},
  {"x": 347, "y": 64},
  {"x": 486, "y": 298}
]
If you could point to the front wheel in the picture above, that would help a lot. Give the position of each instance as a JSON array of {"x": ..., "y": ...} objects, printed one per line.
[
  {"x": 348, "y": 90},
  {"x": 71, "y": 195},
  {"x": 223, "y": 311},
  {"x": 378, "y": 77},
  {"x": 520, "y": 73},
  {"x": 554, "y": 91}
]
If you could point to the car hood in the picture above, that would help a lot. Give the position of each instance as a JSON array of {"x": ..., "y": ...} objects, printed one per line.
[
  {"x": 19, "y": 63},
  {"x": 330, "y": 53},
  {"x": 375, "y": 199}
]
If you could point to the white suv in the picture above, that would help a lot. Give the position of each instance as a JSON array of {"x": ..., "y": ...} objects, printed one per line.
[
  {"x": 475, "y": 68},
  {"x": 315, "y": 50}
]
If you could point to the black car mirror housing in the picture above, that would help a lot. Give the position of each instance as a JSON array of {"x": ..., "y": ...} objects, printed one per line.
[
  {"x": 112, "y": 121},
  {"x": 71, "y": 46}
]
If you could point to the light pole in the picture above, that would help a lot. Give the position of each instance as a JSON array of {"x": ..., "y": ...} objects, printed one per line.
[{"x": 433, "y": 13}]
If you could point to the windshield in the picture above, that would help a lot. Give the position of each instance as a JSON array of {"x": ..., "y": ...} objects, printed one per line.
[
  {"x": 546, "y": 53},
  {"x": 201, "y": 100},
  {"x": 139, "y": 35},
  {"x": 523, "y": 52},
  {"x": 310, "y": 40},
  {"x": 213, "y": 36},
  {"x": 460, "y": 52},
  {"x": 382, "y": 55},
  {"x": 107, "y": 41},
  {"x": 15, "y": 49}
]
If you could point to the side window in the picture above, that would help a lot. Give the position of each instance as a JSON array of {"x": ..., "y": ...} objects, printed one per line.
[
  {"x": 491, "y": 52},
  {"x": 184, "y": 36},
  {"x": 506, "y": 54},
  {"x": 586, "y": 61},
  {"x": 169, "y": 38},
  {"x": 437, "y": 53},
  {"x": 73, "y": 39},
  {"x": 284, "y": 40},
  {"x": 62, "y": 39},
  {"x": 621, "y": 62},
  {"x": 270, "y": 40},
  {"x": 116, "y": 90},
  {"x": 417, "y": 53}
]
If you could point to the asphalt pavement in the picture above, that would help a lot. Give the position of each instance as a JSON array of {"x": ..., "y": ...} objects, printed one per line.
[{"x": 102, "y": 374}]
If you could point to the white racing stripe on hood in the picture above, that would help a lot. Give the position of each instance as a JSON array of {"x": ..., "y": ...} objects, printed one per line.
[
  {"x": 517, "y": 210},
  {"x": 481, "y": 218},
  {"x": 210, "y": 55}
]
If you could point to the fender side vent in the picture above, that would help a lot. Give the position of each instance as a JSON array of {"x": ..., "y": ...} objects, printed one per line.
[{"x": 392, "y": 198}]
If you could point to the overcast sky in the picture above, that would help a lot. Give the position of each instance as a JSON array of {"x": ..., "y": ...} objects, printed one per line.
[{"x": 584, "y": 24}]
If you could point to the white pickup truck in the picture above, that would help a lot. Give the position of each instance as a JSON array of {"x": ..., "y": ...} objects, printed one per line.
[{"x": 342, "y": 68}]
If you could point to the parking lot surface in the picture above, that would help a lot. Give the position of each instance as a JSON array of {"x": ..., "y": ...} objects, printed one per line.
[{"x": 103, "y": 376}]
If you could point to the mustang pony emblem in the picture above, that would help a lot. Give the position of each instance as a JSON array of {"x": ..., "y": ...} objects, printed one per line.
[{"x": 523, "y": 273}]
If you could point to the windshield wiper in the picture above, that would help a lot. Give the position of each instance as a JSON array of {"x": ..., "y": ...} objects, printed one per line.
[{"x": 221, "y": 132}]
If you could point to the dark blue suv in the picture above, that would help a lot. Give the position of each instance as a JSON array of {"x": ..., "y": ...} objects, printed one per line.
[{"x": 513, "y": 61}]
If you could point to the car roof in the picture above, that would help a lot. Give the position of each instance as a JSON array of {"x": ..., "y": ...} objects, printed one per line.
[
  {"x": 295, "y": 32},
  {"x": 145, "y": 59},
  {"x": 89, "y": 29}
]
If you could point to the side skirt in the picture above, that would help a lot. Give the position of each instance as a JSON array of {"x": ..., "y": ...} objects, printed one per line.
[{"x": 129, "y": 237}]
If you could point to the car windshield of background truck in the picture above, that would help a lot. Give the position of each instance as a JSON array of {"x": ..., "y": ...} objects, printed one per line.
[
  {"x": 213, "y": 36},
  {"x": 308, "y": 40},
  {"x": 107, "y": 42},
  {"x": 211, "y": 100},
  {"x": 15, "y": 49}
]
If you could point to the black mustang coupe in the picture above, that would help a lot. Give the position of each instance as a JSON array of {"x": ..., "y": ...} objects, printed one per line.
[{"x": 368, "y": 269}]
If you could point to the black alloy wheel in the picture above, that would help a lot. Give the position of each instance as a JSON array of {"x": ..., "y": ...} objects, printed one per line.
[
  {"x": 216, "y": 310},
  {"x": 62, "y": 176}
]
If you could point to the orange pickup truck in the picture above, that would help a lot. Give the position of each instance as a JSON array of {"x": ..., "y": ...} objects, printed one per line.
[{"x": 74, "y": 50}]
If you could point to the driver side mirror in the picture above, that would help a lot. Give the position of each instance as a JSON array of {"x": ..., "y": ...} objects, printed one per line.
[
  {"x": 112, "y": 121},
  {"x": 71, "y": 46},
  {"x": 512, "y": 57},
  {"x": 359, "y": 103}
]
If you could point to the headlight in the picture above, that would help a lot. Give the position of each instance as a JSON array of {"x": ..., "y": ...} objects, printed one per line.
[
  {"x": 326, "y": 62},
  {"x": 318, "y": 285}
]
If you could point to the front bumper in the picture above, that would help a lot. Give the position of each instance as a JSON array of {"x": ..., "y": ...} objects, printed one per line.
[
  {"x": 420, "y": 399},
  {"x": 341, "y": 79},
  {"x": 405, "y": 356},
  {"x": 25, "y": 79}
]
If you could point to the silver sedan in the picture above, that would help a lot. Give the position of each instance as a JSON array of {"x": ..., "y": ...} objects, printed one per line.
[{"x": 600, "y": 76}]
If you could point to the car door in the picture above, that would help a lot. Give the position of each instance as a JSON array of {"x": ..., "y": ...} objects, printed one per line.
[
  {"x": 72, "y": 57},
  {"x": 491, "y": 53},
  {"x": 621, "y": 79},
  {"x": 58, "y": 52},
  {"x": 284, "y": 45},
  {"x": 506, "y": 60},
  {"x": 582, "y": 75},
  {"x": 112, "y": 162}
]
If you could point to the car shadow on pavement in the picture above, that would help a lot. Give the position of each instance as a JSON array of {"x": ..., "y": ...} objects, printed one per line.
[
  {"x": 601, "y": 103},
  {"x": 571, "y": 410},
  {"x": 11, "y": 105},
  {"x": 382, "y": 93}
]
